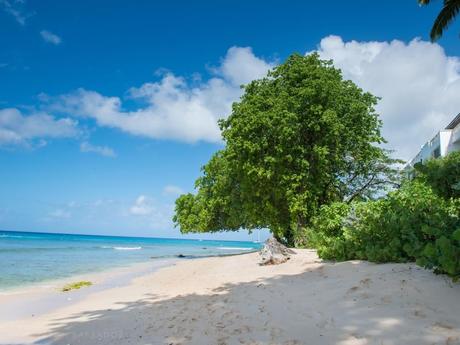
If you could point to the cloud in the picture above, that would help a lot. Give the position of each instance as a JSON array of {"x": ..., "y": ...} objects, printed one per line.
[
  {"x": 15, "y": 8},
  {"x": 102, "y": 150},
  {"x": 143, "y": 206},
  {"x": 171, "y": 108},
  {"x": 240, "y": 66},
  {"x": 50, "y": 37},
  {"x": 172, "y": 190},
  {"x": 419, "y": 85},
  {"x": 19, "y": 129},
  {"x": 148, "y": 213}
]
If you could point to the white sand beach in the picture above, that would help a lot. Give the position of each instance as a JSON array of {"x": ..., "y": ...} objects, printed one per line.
[{"x": 233, "y": 300}]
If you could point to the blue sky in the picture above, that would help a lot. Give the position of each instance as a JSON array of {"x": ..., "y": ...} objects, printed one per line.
[{"x": 108, "y": 109}]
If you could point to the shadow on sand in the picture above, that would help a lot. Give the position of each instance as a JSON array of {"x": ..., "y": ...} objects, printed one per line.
[{"x": 318, "y": 306}]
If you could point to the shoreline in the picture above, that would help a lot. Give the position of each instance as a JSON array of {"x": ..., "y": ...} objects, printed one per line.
[
  {"x": 232, "y": 300},
  {"x": 46, "y": 296},
  {"x": 97, "y": 275},
  {"x": 164, "y": 260}
]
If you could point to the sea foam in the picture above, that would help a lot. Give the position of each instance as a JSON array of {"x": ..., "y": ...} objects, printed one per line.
[{"x": 127, "y": 248}]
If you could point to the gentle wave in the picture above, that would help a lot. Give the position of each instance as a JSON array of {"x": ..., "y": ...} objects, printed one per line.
[
  {"x": 120, "y": 248},
  {"x": 127, "y": 248},
  {"x": 10, "y": 236},
  {"x": 235, "y": 248}
]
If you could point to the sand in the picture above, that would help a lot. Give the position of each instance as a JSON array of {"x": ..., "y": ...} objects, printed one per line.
[{"x": 233, "y": 300}]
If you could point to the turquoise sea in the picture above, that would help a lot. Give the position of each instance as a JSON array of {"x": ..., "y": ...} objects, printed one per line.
[{"x": 32, "y": 257}]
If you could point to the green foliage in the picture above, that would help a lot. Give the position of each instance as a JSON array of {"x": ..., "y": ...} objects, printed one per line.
[
  {"x": 327, "y": 231},
  {"x": 443, "y": 175},
  {"x": 299, "y": 138},
  {"x": 76, "y": 285},
  {"x": 445, "y": 17},
  {"x": 411, "y": 224}
]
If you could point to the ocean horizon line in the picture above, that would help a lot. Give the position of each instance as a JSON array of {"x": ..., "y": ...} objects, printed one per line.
[{"x": 121, "y": 236}]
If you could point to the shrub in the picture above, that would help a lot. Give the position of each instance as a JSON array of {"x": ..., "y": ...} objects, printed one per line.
[
  {"x": 327, "y": 232},
  {"x": 443, "y": 253},
  {"x": 411, "y": 224},
  {"x": 443, "y": 175}
]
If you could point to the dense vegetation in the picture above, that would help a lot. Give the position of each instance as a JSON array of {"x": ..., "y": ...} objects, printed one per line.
[
  {"x": 302, "y": 159},
  {"x": 418, "y": 222},
  {"x": 298, "y": 139}
]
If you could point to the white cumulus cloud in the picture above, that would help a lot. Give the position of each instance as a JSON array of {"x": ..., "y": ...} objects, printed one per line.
[
  {"x": 101, "y": 150},
  {"x": 49, "y": 37},
  {"x": 19, "y": 129},
  {"x": 147, "y": 212},
  {"x": 172, "y": 108},
  {"x": 143, "y": 206},
  {"x": 418, "y": 83},
  {"x": 240, "y": 66}
]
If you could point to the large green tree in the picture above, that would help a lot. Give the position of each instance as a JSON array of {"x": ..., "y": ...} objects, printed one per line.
[{"x": 299, "y": 138}]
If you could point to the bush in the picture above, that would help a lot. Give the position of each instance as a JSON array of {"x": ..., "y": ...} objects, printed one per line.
[
  {"x": 327, "y": 233},
  {"x": 443, "y": 175},
  {"x": 443, "y": 253},
  {"x": 411, "y": 224}
]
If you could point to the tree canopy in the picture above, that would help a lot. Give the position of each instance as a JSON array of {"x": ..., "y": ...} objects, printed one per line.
[{"x": 299, "y": 138}]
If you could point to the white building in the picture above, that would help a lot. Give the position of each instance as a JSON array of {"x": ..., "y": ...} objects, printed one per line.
[{"x": 444, "y": 142}]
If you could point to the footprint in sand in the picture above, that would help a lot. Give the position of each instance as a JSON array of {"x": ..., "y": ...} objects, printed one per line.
[
  {"x": 441, "y": 327},
  {"x": 220, "y": 325},
  {"x": 222, "y": 340},
  {"x": 357, "y": 339},
  {"x": 453, "y": 341},
  {"x": 292, "y": 342},
  {"x": 365, "y": 282},
  {"x": 236, "y": 331},
  {"x": 420, "y": 314},
  {"x": 352, "y": 289}
]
